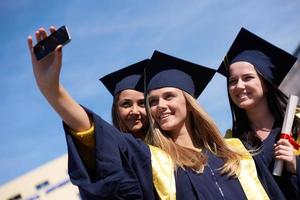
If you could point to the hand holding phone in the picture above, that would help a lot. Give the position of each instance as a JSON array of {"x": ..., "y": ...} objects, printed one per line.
[{"x": 59, "y": 37}]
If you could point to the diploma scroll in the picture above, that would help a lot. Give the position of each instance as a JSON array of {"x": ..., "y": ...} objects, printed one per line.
[{"x": 286, "y": 128}]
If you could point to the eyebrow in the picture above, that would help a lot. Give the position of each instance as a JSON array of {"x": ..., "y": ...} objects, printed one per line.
[{"x": 250, "y": 73}]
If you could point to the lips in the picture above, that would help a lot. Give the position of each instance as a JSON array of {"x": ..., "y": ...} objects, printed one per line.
[
  {"x": 242, "y": 96},
  {"x": 163, "y": 116}
]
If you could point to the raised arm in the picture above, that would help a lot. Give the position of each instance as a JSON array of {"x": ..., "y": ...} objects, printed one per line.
[{"x": 46, "y": 72}]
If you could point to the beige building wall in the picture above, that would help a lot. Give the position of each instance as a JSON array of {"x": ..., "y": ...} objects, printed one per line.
[{"x": 48, "y": 182}]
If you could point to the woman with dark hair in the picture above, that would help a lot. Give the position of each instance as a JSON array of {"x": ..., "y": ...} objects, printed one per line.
[
  {"x": 254, "y": 69},
  {"x": 128, "y": 109}
]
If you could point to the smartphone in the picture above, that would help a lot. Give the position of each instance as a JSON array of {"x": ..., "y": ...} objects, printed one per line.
[{"x": 48, "y": 45}]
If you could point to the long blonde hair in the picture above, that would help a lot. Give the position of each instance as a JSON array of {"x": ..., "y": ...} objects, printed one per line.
[{"x": 205, "y": 136}]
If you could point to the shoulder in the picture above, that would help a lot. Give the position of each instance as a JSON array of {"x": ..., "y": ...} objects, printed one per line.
[
  {"x": 160, "y": 158},
  {"x": 236, "y": 145},
  {"x": 158, "y": 152},
  {"x": 228, "y": 134}
]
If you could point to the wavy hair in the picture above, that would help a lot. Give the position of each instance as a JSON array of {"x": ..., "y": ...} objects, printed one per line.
[{"x": 205, "y": 136}]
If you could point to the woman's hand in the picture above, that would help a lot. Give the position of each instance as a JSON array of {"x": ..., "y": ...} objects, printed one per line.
[
  {"x": 46, "y": 70},
  {"x": 285, "y": 151}
]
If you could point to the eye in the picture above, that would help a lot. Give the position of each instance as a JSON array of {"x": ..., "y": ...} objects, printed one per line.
[
  {"x": 153, "y": 102},
  {"x": 125, "y": 104},
  {"x": 232, "y": 81},
  {"x": 141, "y": 103},
  {"x": 248, "y": 78},
  {"x": 169, "y": 96}
]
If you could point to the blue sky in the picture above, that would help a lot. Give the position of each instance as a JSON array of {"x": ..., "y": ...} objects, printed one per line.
[{"x": 108, "y": 35}]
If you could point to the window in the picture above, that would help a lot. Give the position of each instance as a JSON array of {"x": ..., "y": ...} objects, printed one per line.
[
  {"x": 16, "y": 197},
  {"x": 42, "y": 185}
]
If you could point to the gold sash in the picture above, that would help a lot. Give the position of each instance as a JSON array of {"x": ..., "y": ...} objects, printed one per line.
[
  {"x": 163, "y": 174},
  {"x": 164, "y": 180},
  {"x": 248, "y": 175}
]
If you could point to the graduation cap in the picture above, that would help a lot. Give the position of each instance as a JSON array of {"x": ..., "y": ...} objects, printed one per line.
[
  {"x": 272, "y": 62},
  {"x": 167, "y": 71},
  {"x": 125, "y": 78}
]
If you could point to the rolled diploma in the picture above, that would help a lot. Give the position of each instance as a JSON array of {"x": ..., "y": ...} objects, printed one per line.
[{"x": 286, "y": 128}]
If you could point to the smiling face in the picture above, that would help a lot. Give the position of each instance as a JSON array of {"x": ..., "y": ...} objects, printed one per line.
[
  {"x": 132, "y": 112},
  {"x": 168, "y": 108},
  {"x": 246, "y": 88}
]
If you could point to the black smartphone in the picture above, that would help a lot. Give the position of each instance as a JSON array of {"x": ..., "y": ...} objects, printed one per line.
[{"x": 47, "y": 45}]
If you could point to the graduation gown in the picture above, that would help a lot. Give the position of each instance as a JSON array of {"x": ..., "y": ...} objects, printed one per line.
[
  {"x": 126, "y": 169},
  {"x": 289, "y": 183},
  {"x": 285, "y": 186}
]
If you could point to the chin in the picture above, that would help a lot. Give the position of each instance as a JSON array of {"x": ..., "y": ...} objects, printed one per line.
[
  {"x": 245, "y": 105},
  {"x": 135, "y": 128},
  {"x": 165, "y": 127}
]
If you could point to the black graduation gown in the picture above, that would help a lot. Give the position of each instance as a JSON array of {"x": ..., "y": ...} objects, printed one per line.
[
  {"x": 123, "y": 170},
  {"x": 123, "y": 165},
  {"x": 288, "y": 183},
  {"x": 209, "y": 185}
]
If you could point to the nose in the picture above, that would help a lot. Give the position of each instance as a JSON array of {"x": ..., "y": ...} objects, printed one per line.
[
  {"x": 161, "y": 105},
  {"x": 240, "y": 84},
  {"x": 134, "y": 110}
]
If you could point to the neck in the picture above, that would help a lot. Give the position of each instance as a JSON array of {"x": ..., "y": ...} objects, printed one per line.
[
  {"x": 182, "y": 137},
  {"x": 261, "y": 120},
  {"x": 140, "y": 135},
  {"x": 261, "y": 116}
]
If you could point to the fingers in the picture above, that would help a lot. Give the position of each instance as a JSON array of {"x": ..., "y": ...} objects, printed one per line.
[
  {"x": 41, "y": 33},
  {"x": 58, "y": 57},
  {"x": 30, "y": 47},
  {"x": 284, "y": 142},
  {"x": 52, "y": 29},
  {"x": 283, "y": 150},
  {"x": 29, "y": 43}
]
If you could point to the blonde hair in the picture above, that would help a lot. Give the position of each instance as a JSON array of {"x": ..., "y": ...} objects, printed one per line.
[{"x": 205, "y": 136}]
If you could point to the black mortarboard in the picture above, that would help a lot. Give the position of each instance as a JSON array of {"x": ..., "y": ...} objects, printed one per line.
[
  {"x": 272, "y": 62},
  {"x": 125, "y": 78},
  {"x": 167, "y": 71}
]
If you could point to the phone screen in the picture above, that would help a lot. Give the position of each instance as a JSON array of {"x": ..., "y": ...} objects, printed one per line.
[{"x": 47, "y": 45}]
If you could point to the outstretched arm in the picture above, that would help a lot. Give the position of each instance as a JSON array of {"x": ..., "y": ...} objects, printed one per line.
[{"x": 46, "y": 72}]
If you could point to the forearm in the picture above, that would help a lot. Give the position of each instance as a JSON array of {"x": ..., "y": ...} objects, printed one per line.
[{"x": 68, "y": 109}]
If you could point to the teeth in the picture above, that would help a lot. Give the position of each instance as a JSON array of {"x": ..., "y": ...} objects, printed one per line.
[
  {"x": 163, "y": 116},
  {"x": 242, "y": 95},
  {"x": 134, "y": 119}
]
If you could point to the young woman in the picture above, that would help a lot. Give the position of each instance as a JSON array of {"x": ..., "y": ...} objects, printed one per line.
[
  {"x": 128, "y": 109},
  {"x": 204, "y": 163},
  {"x": 188, "y": 160},
  {"x": 255, "y": 70}
]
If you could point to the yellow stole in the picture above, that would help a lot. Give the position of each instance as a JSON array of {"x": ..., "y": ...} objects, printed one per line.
[
  {"x": 163, "y": 174},
  {"x": 164, "y": 180},
  {"x": 163, "y": 170},
  {"x": 248, "y": 179}
]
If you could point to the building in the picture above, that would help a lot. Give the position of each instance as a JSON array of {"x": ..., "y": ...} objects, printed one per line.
[
  {"x": 47, "y": 182},
  {"x": 290, "y": 85}
]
